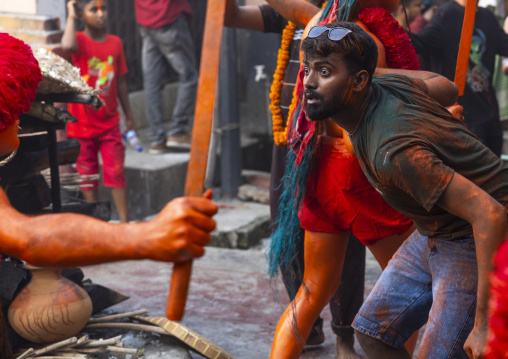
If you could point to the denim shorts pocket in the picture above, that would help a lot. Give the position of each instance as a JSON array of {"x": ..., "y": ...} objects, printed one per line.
[{"x": 467, "y": 242}]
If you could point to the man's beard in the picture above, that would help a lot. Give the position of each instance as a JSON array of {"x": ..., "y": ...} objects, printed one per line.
[{"x": 325, "y": 109}]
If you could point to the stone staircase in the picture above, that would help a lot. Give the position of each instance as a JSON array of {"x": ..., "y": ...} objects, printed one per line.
[{"x": 37, "y": 30}]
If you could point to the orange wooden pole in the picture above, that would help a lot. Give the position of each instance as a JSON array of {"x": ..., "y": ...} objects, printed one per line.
[
  {"x": 465, "y": 46},
  {"x": 194, "y": 185}
]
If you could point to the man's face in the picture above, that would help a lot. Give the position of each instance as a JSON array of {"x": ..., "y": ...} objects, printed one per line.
[
  {"x": 328, "y": 86},
  {"x": 413, "y": 10},
  {"x": 95, "y": 14}
]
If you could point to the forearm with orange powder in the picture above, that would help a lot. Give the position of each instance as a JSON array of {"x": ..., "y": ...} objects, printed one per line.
[{"x": 177, "y": 234}]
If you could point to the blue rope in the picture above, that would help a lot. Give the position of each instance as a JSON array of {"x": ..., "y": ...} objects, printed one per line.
[
  {"x": 344, "y": 9},
  {"x": 326, "y": 10},
  {"x": 287, "y": 239}
]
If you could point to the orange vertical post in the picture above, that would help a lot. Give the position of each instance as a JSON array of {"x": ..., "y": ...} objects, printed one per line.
[
  {"x": 465, "y": 46},
  {"x": 194, "y": 185}
]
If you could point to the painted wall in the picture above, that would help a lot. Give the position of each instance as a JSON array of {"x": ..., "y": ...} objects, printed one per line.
[
  {"x": 52, "y": 8},
  {"x": 19, "y": 6},
  {"x": 35, "y": 7}
]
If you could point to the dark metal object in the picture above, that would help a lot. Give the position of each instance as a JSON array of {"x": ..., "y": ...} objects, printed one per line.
[
  {"x": 40, "y": 151},
  {"x": 229, "y": 120},
  {"x": 55, "y": 173},
  {"x": 93, "y": 100}
]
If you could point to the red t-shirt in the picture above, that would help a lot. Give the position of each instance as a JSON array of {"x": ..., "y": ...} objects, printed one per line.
[
  {"x": 157, "y": 13},
  {"x": 100, "y": 63}
]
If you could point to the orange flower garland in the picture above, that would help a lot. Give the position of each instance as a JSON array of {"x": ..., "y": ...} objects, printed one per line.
[{"x": 278, "y": 125}]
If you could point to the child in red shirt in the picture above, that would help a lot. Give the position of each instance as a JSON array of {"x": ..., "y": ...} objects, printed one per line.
[{"x": 101, "y": 60}]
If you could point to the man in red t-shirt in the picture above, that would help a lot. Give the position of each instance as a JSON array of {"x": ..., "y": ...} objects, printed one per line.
[
  {"x": 101, "y": 60},
  {"x": 166, "y": 40}
]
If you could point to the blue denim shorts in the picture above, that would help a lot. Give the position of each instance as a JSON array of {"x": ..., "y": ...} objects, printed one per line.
[{"x": 427, "y": 281}]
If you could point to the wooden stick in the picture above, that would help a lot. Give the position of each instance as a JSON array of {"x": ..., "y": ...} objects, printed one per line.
[
  {"x": 69, "y": 354},
  {"x": 205, "y": 99},
  {"x": 101, "y": 343},
  {"x": 128, "y": 326},
  {"x": 121, "y": 350},
  {"x": 54, "y": 346},
  {"x": 465, "y": 46},
  {"x": 25, "y": 354},
  {"x": 108, "y": 318}
]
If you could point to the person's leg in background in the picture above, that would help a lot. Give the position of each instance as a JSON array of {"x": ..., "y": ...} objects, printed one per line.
[
  {"x": 348, "y": 298},
  {"x": 113, "y": 157},
  {"x": 88, "y": 164},
  {"x": 178, "y": 47},
  {"x": 154, "y": 70}
]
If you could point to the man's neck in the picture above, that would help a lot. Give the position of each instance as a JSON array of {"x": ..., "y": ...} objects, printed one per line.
[
  {"x": 98, "y": 35},
  {"x": 461, "y": 2},
  {"x": 350, "y": 118}
]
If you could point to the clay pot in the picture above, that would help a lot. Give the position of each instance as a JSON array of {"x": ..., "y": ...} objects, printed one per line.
[{"x": 50, "y": 308}]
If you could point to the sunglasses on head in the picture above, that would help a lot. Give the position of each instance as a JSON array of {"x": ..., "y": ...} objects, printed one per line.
[{"x": 334, "y": 33}]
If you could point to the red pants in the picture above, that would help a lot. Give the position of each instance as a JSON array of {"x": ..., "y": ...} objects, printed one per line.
[
  {"x": 339, "y": 198},
  {"x": 112, "y": 153}
]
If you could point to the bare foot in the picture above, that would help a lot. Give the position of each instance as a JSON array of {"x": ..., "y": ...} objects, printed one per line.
[{"x": 345, "y": 347}]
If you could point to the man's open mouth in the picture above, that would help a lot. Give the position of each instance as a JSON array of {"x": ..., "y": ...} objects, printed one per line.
[{"x": 311, "y": 98}]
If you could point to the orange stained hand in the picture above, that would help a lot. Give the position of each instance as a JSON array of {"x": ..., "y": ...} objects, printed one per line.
[
  {"x": 456, "y": 110},
  {"x": 475, "y": 343},
  {"x": 185, "y": 225}
]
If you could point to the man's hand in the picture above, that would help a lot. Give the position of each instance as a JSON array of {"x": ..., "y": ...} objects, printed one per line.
[
  {"x": 181, "y": 229},
  {"x": 71, "y": 10},
  {"x": 129, "y": 125},
  {"x": 456, "y": 110},
  {"x": 475, "y": 343}
]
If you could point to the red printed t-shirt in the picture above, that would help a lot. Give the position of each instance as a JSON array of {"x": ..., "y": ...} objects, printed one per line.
[
  {"x": 100, "y": 63},
  {"x": 157, "y": 13}
]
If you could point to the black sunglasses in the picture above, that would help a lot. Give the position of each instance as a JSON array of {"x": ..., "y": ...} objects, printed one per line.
[{"x": 334, "y": 33}]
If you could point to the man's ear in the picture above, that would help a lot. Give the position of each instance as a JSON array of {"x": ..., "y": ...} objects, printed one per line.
[{"x": 361, "y": 79}]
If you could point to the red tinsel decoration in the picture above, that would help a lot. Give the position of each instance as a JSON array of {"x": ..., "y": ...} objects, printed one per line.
[
  {"x": 19, "y": 77},
  {"x": 497, "y": 338},
  {"x": 400, "y": 54}
]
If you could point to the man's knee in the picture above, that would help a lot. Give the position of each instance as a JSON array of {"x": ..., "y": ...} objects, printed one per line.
[
  {"x": 374, "y": 348},
  {"x": 366, "y": 342}
]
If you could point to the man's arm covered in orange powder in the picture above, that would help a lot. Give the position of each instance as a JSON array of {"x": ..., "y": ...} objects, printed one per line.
[{"x": 177, "y": 234}]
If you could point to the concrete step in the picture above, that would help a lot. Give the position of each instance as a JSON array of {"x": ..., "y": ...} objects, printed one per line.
[
  {"x": 11, "y": 21},
  {"x": 154, "y": 180},
  {"x": 241, "y": 224},
  {"x": 36, "y": 36}
]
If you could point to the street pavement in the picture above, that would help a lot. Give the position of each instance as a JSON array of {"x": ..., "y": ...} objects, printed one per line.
[{"x": 231, "y": 300}]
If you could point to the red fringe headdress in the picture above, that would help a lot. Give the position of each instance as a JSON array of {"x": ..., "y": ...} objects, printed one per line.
[
  {"x": 497, "y": 338},
  {"x": 19, "y": 77}
]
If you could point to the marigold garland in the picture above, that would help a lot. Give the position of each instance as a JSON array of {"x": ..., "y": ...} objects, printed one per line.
[{"x": 278, "y": 125}]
